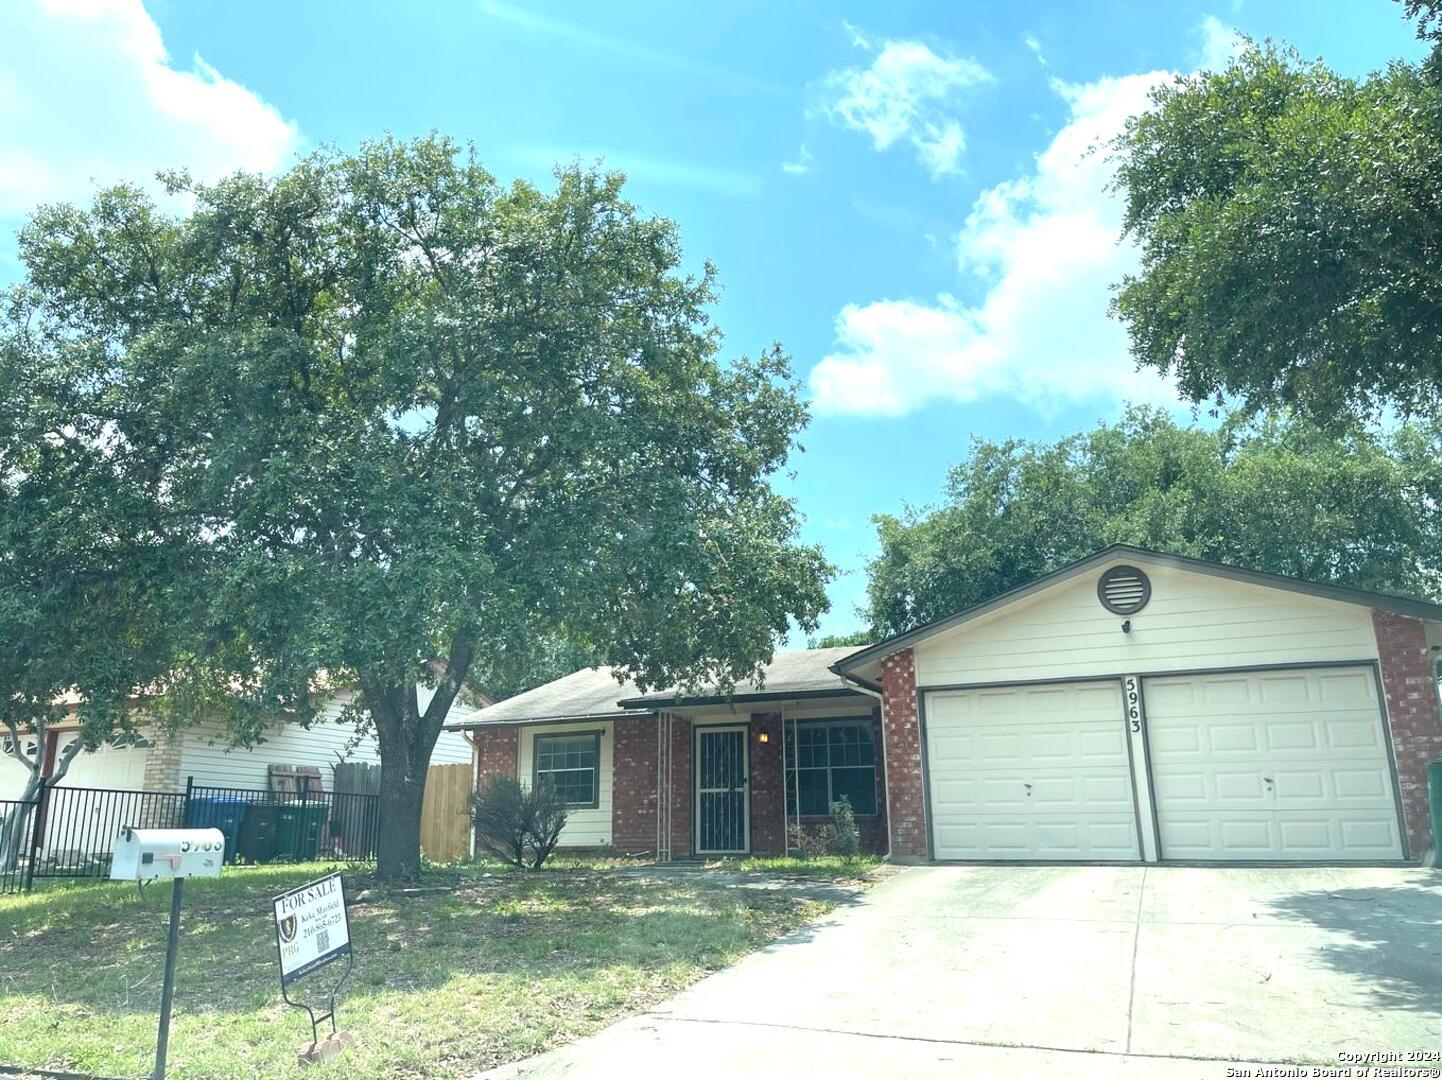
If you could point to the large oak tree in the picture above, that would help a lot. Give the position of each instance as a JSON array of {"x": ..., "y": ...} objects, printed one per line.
[
  {"x": 1290, "y": 227},
  {"x": 421, "y": 417},
  {"x": 1356, "y": 508}
]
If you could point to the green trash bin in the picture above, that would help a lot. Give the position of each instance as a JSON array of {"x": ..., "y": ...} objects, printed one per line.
[
  {"x": 257, "y": 833},
  {"x": 297, "y": 830}
]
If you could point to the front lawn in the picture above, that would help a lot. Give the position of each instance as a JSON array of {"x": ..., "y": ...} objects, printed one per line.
[
  {"x": 505, "y": 966},
  {"x": 855, "y": 868}
]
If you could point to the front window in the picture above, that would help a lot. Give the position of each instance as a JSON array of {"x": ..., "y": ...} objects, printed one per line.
[
  {"x": 827, "y": 759},
  {"x": 570, "y": 763}
]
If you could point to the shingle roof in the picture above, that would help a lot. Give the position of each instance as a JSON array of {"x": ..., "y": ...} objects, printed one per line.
[
  {"x": 805, "y": 672},
  {"x": 595, "y": 692}
]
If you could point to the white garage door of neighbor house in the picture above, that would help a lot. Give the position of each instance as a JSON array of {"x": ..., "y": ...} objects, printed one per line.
[
  {"x": 1033, "y": 772},
  {"x": 1276, "y": 765}
]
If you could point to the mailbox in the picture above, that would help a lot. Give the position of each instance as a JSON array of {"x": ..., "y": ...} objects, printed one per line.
[{"x": 150, "y": 854}]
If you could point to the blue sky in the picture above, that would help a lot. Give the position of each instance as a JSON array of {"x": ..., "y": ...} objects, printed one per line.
[{"x": 902, "y": 194}]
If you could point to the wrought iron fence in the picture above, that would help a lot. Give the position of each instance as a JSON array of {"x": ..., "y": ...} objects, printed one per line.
[
  {"x": 265, "y": 826},
  {"x": 69, "y": 832}
]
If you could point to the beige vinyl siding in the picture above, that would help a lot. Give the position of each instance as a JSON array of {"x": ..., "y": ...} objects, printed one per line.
[
  {"x": 1193, "y": 621},
  {"x": 206, "y": 756},
  {"x": 584, "y": 828}
]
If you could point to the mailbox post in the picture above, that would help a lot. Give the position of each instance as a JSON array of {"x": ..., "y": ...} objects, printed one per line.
[{"x": 150, "y": 854}]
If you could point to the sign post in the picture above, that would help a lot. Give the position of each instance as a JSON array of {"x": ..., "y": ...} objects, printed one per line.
[
  {"x": 312, "y": 929},
  {"x": 142, "y": 855}
]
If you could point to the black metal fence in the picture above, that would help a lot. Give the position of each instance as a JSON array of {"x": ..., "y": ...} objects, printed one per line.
[{"x": 70, "y": 832}]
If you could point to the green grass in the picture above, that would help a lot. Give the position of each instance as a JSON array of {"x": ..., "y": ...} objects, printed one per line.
[
  {"x": 505, "y": 966},
  {"x": 821, "y": 867}
]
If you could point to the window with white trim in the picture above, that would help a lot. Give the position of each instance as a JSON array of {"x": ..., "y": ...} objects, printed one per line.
[
  {"x": 826, "y": 759},
  {"x": 571, "y": 762}
]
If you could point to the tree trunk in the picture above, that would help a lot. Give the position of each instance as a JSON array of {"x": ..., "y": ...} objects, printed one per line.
[
  {"x": 398, "y": 847},
  {"x": 14, "y": 832},
  {"x": 406, "y": 737}
]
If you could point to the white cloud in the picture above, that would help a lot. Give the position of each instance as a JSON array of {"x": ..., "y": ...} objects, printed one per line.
[
  {"x": 1034, "y": 45},
  {"x": 1045, "y": 248},
  {"x": 904, "y": 96},
  {"x": 801, "y": 165},
  {"x": 1220, "y": 43},
  {"x": 89, "y": 96}
]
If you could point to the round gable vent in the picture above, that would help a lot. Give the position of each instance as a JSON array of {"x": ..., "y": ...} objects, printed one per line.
[{"x": 1124, "y": 590}]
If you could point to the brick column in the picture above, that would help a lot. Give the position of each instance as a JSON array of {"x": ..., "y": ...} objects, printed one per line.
[
  {"x": 873, "y": 829},
  {"x": 905, "y": 798},
  {"x": 1412, "y": 715},
  {"x": 162, "y": 761},
  {"x": 680, "y": 788},
  {"x": 767, "y": 835},
  {"x": 498, "y": 753},
  {"x": 633, "y": 786}
]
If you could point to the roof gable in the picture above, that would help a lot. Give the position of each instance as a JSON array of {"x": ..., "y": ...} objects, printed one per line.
[{"x": 862, "y": 660}]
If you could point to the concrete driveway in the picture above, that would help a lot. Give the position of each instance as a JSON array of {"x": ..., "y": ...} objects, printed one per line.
[{"x": 1092, "y": 971}]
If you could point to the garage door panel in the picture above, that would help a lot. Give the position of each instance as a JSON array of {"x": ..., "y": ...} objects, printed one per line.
[
  {"x": 1285, "y": 735},
  {"x": 1362, "y": 785},
  {"x": 1369, "y": 836},
  {"x": 1030, "y": 773},
  {"x": 1231, "y": 738},
  {"x": 1296, "y": 767},
  {"x": 1354, "y": 733}
]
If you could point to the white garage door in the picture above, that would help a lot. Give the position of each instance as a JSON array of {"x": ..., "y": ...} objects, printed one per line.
[
  {"x": 1035, "y": 772},
  {"x": 1271, "y": 765}
]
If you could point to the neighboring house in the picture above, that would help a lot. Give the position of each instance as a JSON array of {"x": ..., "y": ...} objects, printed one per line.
[
  {"x": 1131, "y": 707},
  {"x": 157, "y": 762}
]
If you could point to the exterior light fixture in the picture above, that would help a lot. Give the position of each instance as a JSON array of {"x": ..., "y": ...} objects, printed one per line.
[
  {"x": 1127, "y": 627},
  {"x": 763, "y": 736}
]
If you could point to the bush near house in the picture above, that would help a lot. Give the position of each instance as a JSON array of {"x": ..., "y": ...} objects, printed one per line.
[{"x": 516, "y": 824}]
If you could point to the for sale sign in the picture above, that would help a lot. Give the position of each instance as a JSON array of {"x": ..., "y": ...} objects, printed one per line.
[{"x": 311, "y": 927}]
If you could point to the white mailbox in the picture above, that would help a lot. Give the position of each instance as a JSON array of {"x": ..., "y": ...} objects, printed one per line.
[{"x": 148, "y": 854}]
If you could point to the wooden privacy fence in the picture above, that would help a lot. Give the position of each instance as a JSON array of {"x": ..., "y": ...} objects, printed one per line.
[{"x": 446, "y": 813}]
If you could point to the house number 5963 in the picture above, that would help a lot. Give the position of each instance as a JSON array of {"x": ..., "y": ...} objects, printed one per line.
[{"x": 1134, "y": 705}]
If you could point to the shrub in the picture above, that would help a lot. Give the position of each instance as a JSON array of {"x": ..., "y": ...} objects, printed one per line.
[
  {"x": 843, "y": 827},
  {"x": 808, "y": 843},
  {"x": 517, "y": 824}
]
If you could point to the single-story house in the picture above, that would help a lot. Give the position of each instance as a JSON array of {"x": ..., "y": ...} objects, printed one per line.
[
  {"x": 165, "y": 762},
  {"x": 1130, "y": 707}
]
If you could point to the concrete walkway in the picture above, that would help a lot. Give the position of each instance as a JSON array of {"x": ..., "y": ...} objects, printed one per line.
[{"x": 1076, "y": 971}]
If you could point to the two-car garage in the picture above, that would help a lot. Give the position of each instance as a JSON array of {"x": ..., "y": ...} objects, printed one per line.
[
  {"x": 1277, "y": 764},
  {"x": 1140, "y": 707}
]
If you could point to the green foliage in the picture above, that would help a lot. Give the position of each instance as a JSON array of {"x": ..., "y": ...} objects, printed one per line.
[
  {"x": 847, "y": 841},
  {"x": 96, "y": 571},
  {"x": 856, "y": 638},
  {"x": 519, "y": 825},
  {"x": 1290, "y": 228},
  {"x": 419, "y": 415},
  {"x": 1278, "y": 495}
]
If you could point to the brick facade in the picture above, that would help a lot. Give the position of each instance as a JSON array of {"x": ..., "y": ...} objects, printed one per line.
[
  {"x": 633, "y": 786},
  {"x": 905, "y": 792},
  {"x": 162, "y": 761},
  {"x": 767, "y": 788},
  {"x": 681, "y": 790},
  {"x": 1412, "y": 715},
  {"x": 498, "y": 752},
  {"x": 634, "y": 777}
]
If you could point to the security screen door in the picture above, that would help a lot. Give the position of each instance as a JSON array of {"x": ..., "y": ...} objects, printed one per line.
[{"x": 722, "y": 808}]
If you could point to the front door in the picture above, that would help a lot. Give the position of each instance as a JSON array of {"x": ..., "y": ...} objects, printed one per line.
[{"x": 723, "y": 813}]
